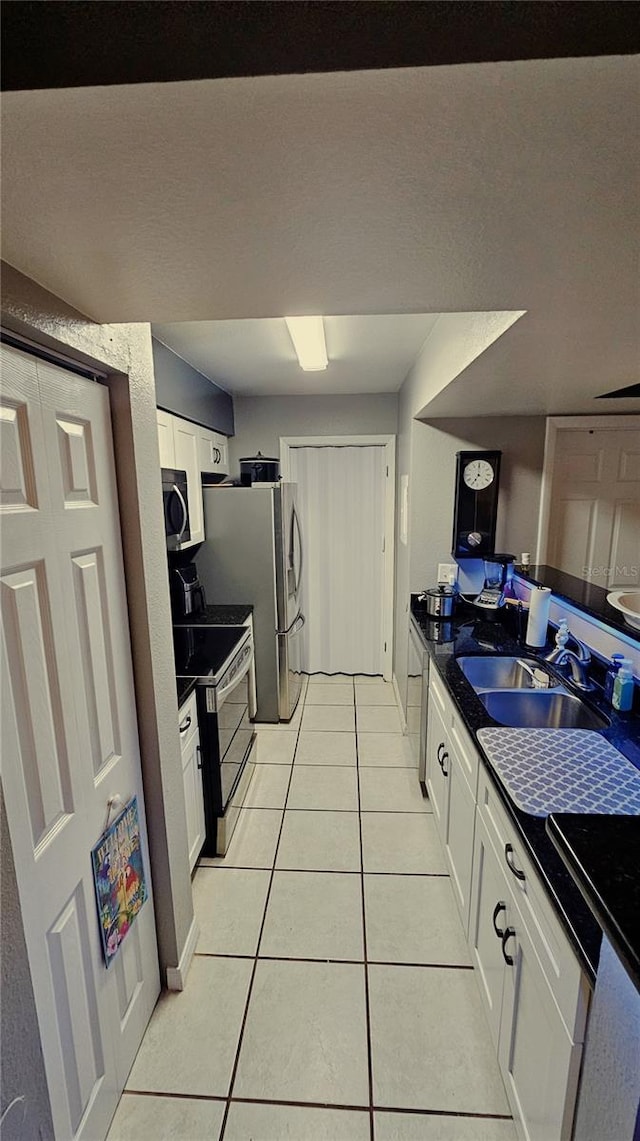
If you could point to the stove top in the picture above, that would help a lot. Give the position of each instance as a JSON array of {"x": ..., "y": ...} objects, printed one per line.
[{"x": 202, "y": 651}]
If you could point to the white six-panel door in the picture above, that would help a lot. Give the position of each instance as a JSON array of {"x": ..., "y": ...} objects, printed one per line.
[{"x": 69, "y": 730}]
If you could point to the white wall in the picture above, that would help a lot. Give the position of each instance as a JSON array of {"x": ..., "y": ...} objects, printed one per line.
[
  {"x": 261, "y": 420},
  {"x": 427, "y": 453}
]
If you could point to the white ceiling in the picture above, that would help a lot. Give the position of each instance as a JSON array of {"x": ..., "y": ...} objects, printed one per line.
[
  {"x": 253, "y": 357},
  {"x": 470, "y": 188}
]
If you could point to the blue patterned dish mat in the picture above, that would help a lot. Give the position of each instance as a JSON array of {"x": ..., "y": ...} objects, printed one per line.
[{"x": 562, "y": 770}]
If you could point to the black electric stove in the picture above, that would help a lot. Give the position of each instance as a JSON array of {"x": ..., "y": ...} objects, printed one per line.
[{"x": 203, "y": 651}]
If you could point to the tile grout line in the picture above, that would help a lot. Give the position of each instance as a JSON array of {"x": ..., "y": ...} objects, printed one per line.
[
  {"x": 243, "y": 1024},
  {"x": 349, "y": 962},
  {"x": 364, "y": 939},
  {"x": 336, "y": 1107}
]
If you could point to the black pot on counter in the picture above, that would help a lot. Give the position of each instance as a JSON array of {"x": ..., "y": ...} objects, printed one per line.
[{"x": 259, "y": 469}]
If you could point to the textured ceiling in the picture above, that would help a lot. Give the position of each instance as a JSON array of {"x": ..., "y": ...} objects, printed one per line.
[{"x": 489, "y": 187}]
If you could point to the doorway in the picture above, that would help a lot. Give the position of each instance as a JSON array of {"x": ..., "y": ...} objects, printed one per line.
[
  {"x": 590, "y": 503},
  {"x": 69, "y": 731},
  {"x": 346, "y": 493}
]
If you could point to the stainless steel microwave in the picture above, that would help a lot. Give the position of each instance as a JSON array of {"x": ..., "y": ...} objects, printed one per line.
[{"x": 175, "y": 498}]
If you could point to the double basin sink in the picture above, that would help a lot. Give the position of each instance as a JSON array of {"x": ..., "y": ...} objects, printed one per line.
[{"x": 521, "y": 693}]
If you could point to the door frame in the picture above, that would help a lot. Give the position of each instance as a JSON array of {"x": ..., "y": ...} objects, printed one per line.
[
  {"x": 555, "y": 424},
  {"x": 388, "y": 442}
]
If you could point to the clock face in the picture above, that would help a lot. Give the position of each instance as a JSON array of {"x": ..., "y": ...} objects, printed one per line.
[{"x": 478, "y": 474}]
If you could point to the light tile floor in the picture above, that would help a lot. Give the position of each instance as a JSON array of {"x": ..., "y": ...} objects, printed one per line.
[{"x": 331, "y": 996}]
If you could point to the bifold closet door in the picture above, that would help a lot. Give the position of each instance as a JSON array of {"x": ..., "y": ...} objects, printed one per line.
[{"x": 341, "y": 497}]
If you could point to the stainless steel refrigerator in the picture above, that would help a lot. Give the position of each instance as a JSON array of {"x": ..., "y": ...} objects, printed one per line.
[{"x": 253, "y": 554}]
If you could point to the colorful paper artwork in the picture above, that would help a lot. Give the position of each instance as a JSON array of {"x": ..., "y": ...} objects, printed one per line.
[{"x": 118, "y": 874}]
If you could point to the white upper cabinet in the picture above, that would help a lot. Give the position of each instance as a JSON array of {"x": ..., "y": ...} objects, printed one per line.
[
  {"x": 213, "y": 451},
  {"x": 179, "y": 443},
  {"x": 165, "y": 439}
]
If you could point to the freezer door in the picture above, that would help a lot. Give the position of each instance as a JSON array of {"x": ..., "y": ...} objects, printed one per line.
[
  {"x": 290, "y": 668},
  {"x": 288, "y": 555}
]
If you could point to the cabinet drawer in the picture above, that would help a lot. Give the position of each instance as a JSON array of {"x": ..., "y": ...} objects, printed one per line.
[
  {"x": 188, "y": 719},
  {"x": 559, "y": 964},
  {"x": 438, "y": 694}
]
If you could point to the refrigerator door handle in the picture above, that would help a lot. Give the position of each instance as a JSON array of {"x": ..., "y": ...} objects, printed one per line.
[
  {"x": 298, "y": 578},
  {"x": 295, "y": 626}
]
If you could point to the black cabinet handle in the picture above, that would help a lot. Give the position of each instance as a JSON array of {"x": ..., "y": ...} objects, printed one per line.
[
  {"x": 445, "y": 757},
  {"x": 199, "y": 756},
  {"x": 440, "y": 747},
  {"x": 500, "y": 906},
  {"x": 508, "y": 855},
  {"x": 508, "y": 934},
  {"x": 185, "y": 724}
]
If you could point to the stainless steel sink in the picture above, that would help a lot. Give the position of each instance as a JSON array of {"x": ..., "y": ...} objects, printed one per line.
[
  {"x": 540, "y": 709},
  {"x": 501, "y": 673}
]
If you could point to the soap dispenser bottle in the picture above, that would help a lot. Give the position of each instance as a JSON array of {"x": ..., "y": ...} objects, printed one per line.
[
  {"x": 611, "y": 675},
  {"x": 623, "y": 687}
]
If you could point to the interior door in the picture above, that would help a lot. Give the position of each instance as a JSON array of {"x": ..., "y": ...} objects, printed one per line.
[
  {"x": 594, "y": 530},
  {"x": 69, "y": 730}
]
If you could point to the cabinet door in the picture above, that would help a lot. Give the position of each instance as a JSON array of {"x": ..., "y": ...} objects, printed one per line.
[
  {"x": 491, "y": 910},
  {"x": 193, "y": 796},
  {"x": 438, "y": 769},
  {"x": 185, "y": 438},
  {"x": 222, "y": 451},
  {"x": 459, "y": 841},
  {"x": 539, "y": 1061},
  {"x": 165, "y": 439}
]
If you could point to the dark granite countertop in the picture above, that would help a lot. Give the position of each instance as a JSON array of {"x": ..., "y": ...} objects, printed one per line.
[
  {"x": 471, "y": 632},
  {"x": 601, "y": 852},
  {"x": 221, "y": 614},
  {"x": 218, "y": 615},
  {"x": 184, "y": 687},
  {"x": 585, "y": 596}
]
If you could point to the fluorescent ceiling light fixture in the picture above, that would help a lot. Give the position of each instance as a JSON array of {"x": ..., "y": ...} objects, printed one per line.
[{"x": 307, "y": 334}]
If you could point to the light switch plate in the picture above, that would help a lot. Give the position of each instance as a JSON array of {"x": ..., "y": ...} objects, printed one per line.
[{"x": 447, "y": 569}]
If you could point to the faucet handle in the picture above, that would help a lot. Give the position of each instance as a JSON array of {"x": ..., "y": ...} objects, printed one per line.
[{"x": 562, "y": 635}]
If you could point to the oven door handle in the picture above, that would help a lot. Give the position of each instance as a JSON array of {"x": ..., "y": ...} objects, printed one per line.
[{"x": 221, "y": 694}]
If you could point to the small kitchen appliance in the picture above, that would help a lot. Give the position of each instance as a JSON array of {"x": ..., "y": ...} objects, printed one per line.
[
  {"x": 259, "y": 469},
  {"x": 187, "y": 592},
  {"x": 498, "y": 572},
  {"x": 439, "y": 601},
  {"x": 176, "y": 508}
]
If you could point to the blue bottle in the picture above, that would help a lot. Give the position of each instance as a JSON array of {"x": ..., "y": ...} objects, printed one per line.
[
  {"x": 623, "y": 687},
  {"x": 611, "y": 675}
]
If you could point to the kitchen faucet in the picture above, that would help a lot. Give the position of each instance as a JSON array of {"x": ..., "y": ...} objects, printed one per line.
[{"x": 578, "y": 662}]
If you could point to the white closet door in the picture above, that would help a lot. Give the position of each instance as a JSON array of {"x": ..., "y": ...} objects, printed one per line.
[
  {"x": 69, "y": 730},
  {"x": 341, "y": 497}
]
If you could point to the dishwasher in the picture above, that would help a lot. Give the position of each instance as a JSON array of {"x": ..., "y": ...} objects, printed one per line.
[{"x": 417, "y": 698}]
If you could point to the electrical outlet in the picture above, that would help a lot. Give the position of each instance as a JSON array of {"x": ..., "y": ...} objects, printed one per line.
[{"x": 445, "y": 570}]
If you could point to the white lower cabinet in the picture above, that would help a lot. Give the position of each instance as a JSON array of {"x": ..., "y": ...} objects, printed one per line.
[
  {"x": 538, "y": 1058},
  {"x": 534, "y": 992},
  {"x": 192, "y": 778},
  {"x": 448, "y": 772}
]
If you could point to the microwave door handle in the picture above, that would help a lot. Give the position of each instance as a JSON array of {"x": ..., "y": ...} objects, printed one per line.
[
  {"x": 185, "y": 513},
  {"x": 221, "y": 694}
]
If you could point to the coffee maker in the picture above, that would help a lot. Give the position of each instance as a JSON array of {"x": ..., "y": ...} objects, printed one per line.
[
  {"x": 187, "y": 592},
  {"x": 498, "y": 572}
]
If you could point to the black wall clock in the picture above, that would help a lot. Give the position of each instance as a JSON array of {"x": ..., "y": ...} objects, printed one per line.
[{"x": 476, "y": 504}]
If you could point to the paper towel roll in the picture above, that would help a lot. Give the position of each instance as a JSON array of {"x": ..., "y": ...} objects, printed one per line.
[{"x": 539, "y": 603}]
